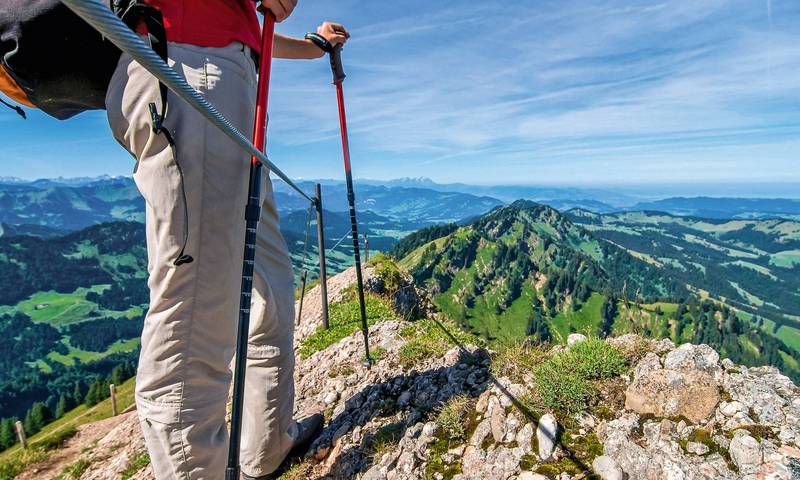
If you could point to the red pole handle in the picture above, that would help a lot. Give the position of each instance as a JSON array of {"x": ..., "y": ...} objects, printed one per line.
[{"x": 264, "y": 72}]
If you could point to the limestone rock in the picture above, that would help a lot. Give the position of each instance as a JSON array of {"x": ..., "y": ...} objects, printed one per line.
[
  {"x": 745, "y": 452},
  {"x": 546, "y": 435},
  {"x": 685, "y": 385},
  {"x": 694, "y": 357},
  {"x": 607, "y": 468},
  {"x": 697, "y": 448},
  {"x": 574, "y": 338},
  {"x": 531, "y": 476}
]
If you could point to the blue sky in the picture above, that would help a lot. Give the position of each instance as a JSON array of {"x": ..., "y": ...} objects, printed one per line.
[{"x": 615, "y": 92}]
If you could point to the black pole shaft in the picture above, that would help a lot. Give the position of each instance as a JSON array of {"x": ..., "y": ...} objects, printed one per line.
[
  {"x": 323, "y": 273},
  {"x": 303, "y": 277},
  {"x": 351, "y": 198},
  {"x": 252, "y": 214}
]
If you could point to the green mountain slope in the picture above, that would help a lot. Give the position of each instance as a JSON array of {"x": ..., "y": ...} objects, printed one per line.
[
  {"x": 526, "y": 271},
  {"x": 70, "y": 307},
  {"x": 488, "y": 271},
  {"x": 752, "y": 265}
]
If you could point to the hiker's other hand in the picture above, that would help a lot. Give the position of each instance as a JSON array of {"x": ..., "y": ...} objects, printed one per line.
[
  {"x": 281, "y": 9},
  {"x": 334, "y": 33}
]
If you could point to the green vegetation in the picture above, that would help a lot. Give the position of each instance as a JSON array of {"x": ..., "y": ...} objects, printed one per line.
[
  {"x": 787, "y": 259},
  {"x": 454, "y": 417},
  {"x": 583, "y": 320},
  {"x": 431, "y": 338},
  {"x": 385, "y": 440},
  {"x": 344, "y": 320},
  {"x": 564, "y": 382},
  {"x": 12, "y": 467},
  {"x": 791, "y": 336},
  {"x": 420, "y": 238},
  {"x": 136, "y": 463},
  {"x": 67, "y": 316},
  {"x": 516, "y": 360},
  {"x": 388, "y": 271},
  {"x": 55, "y": 308},
  {"x": 57, "y": 439},
  {"x": 74, "y": 470},
  {"x": 525, "y": 270}
]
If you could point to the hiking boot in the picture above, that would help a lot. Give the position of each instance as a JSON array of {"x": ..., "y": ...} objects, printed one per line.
[{"x": 308, "y": 429}]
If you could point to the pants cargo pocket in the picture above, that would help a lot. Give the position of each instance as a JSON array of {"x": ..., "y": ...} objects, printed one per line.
[
  {"x": 185, "y": 443},
  {"x": 165, "y": 445}
]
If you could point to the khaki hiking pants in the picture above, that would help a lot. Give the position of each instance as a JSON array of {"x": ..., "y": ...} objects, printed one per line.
[{"x": 200, "y": 188}]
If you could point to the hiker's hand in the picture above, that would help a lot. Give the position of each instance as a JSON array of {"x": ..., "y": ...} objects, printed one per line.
[
  {"x": 281, "y": 9},
  {"x": 334, "y": 33}
]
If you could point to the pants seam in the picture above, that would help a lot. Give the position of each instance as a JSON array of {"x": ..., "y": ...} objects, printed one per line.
[
  {"x": 185, "y": 460},
  {"x": 196, "y": 276}
]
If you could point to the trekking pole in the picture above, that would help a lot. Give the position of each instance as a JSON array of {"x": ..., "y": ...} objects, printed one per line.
[
  {"x": 323, "y": 269},
  {"x": 338, "y": 78},
  {"x": 252, "y": 214}
]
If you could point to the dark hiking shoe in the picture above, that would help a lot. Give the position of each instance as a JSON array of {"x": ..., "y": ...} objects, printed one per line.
[{"x": 308, "y": 429}]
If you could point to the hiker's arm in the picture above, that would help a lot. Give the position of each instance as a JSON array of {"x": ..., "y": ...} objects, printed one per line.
[{"x": 298, "y": 48}]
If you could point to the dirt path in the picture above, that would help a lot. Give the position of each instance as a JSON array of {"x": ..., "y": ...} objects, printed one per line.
[{"x": 62, "y": 457}]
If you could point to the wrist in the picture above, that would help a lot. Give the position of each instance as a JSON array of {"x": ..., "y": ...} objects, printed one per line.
[{"x": 314, "y": 50}]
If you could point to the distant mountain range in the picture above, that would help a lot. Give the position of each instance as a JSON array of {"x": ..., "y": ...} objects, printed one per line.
[
  {"x": 66, "y": 205},
  {"x": 722, "y": 208},
  {"x": 55, "y": 206}
]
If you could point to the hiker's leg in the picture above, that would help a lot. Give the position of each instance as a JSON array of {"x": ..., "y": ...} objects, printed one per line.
[
  {"x": 268, "y": 427},
  {"x": 189, "y": 334}
]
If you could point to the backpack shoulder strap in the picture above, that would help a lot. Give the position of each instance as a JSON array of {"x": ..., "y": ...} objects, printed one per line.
[{"x": 133, "y": 13}]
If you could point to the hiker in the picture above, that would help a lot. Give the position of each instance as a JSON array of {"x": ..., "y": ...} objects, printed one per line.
[{"x": 195, "y": 192}]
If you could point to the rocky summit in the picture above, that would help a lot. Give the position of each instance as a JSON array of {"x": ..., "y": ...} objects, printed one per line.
[{"x": 439, "y": 403}]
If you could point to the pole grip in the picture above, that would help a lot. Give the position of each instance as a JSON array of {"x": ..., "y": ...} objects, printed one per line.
[
  {"x": 334, "y": 55},
  {"x": 336, "y": 64}
]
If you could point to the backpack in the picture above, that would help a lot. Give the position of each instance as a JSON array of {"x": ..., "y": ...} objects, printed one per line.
[{"x": 52, "y": 60}]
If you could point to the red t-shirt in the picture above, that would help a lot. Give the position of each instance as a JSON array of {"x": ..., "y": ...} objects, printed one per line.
[{"x": 211, "y": 23}]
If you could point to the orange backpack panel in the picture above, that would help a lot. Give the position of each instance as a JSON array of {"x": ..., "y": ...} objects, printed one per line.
[{"x": 12, "y": 90}]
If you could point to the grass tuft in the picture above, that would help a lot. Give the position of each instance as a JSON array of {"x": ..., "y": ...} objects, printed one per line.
[
  {"x": 298, "y": 471},
  {"x": 385, "y": 440},
  {"x": 564, "y": 383},
  {"x": 516, "y": 360},
  {"x": 136, "y": 463},
  {"x": 57, "y": 439},
  {"x": 74, "y": 470},
  {"x": 453, "y": 417}
]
